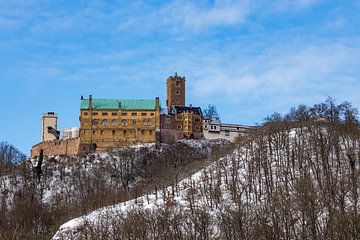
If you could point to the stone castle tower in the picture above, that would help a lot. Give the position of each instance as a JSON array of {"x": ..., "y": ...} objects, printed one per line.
[
  {"x": 175, "y": 89},
  {"x": 49, "y": 126}
]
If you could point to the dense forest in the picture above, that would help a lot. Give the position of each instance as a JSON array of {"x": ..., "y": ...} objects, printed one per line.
[{"x": 295, "y": 177}]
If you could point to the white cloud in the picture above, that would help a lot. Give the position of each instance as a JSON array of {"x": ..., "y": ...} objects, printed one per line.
[
  {"x": 310, "y": 70},
  {"x": 197, "y": 16}
]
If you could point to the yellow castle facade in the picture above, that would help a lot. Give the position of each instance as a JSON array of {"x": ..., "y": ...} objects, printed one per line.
[{"x": 109, "y": 123}]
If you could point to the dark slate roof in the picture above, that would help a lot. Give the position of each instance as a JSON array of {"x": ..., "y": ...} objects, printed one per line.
[{"x": 181, "y": 109}]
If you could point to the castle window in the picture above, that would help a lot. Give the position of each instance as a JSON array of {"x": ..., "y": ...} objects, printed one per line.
[
  {"x": 152, "y": 114},
  {"x": 95, "y": 122},
  {"x": 179, "y": 126},
  {"x": 104, "y": 123},
  {"x": 113, "y": 132},
  {"x": 124, "y": 123},
  {"x": 85, "y": 113},
  {"x": 177, "y": 92},
  {"x": 104, "y": 113},
  {"x": 143, "y": 114},
  {"x": 177, "y": 83},
  {"x": 114, "y": 123},
  {"x": 101, "y": 132},
  {"x": 150, "y": 132},
  {"x": 114, "y": 114},
  {"x": 133, "y": 122},
  {"x": 94, "y": 113},
  {"x": 123, "y": 114},
  {"x": 94, "y": 132},
  {"x": 133, "y": 114}
]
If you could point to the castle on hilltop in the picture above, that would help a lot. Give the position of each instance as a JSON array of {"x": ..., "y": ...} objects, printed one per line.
[{"x": 112, "y": 123}]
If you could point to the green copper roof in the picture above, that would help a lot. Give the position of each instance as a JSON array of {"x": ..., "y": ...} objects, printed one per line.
[{"x": 113, "y": 104}]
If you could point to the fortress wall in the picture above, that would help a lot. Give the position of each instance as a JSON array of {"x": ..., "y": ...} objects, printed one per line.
[
  {"x": 57, "y": 147},
  {"x": 170, "y": 136},
  {"x": 198, "y": 135}
]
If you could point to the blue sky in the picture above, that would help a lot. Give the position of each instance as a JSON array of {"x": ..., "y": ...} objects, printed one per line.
[{"x": 250, "y": 58}]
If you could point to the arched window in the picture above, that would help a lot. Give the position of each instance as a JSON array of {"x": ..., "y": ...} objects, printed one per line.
[
  {"x": 147, "y": 122},
  {"x": 104, "y": 123},
  {"x": 179, "y": 126},
  {"x": 114, "y": 123},
  {"x": 124, "y": 123},
  {"x": 95, "y": 122}
]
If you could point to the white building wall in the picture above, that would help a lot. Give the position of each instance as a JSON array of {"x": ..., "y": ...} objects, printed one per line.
[
  {"x": 213, "y": 129},
  {"x": 231, "y": 136},
  {"x": 67, "y": 133}
]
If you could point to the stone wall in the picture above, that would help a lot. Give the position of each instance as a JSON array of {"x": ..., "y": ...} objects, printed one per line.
[
  {"x": 58, "y": 147},
  {"x": 172, "y": 136}
]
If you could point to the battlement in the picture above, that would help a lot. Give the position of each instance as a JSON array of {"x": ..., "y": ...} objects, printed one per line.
[
  {"x": 49, "y": 114},
  {"x": 57, "y": 147}
]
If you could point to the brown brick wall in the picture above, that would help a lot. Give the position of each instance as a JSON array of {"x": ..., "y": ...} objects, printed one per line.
[
  {"x": 57, "y": 147},
  {"x": 167, "y": 122},
  {"x": 170, "y": 136},
  {"x": 175, "y": 88}
]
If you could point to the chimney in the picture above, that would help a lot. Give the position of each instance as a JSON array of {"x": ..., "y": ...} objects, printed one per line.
[
  {"x": 90, "y": 102},
  {"x": 157, "y": 106}
]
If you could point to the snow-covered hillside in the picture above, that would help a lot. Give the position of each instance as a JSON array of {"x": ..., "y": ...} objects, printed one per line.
[
  {"x": 291, "y": 184},
  {"x": 177, "y": 198},
  {"x": 74, "y": 185},
  {"x": 58, "y": 174}
]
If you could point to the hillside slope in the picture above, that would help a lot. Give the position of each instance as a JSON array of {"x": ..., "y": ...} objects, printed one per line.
[
  {"x": 75, "y": 185},
  {"x": 287, "y": 183}
]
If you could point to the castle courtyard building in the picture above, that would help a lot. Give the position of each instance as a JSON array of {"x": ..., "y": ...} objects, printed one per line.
[{"x": 109, "y": 123}]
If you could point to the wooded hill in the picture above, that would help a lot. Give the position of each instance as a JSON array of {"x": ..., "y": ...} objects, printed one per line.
[{"x": 296, "y": 177}]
